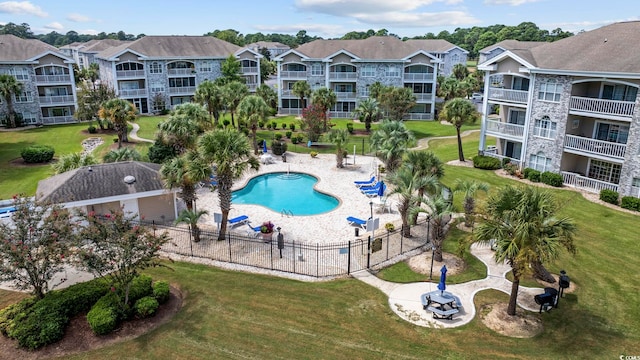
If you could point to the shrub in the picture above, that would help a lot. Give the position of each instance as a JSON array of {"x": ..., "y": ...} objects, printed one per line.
[
  {"x": 552, "y": 179},
  {"x": 350, "y": 128},
  {"x": 288, "y": 134},
  {"x": 630, "y": 202},
  {"x": 34, "y": 154},
  {"x": 284, "y": 126},
  {"x": 300, "y": 138},
  {"x": 486, "y": 162},
  {"x": 161, "y": 291},
  {"x": 268, "y": 126},
  {"x": 505, "y": 161},
  {"x": 277, "y": 136},
  {"x": 313, "y": 154},
  {"x": 146, "y": 307},
  {"x": 115, "y": 140},
  {"x": 278, "y": 147},
  {"x": 294, "y": 140},
  {"x": 532, "y": 174},
  {"x": 292, "y": 127},
  {"x": 92, "y": 129},
  {"x": 8, "y": 314},
  {"x": 609, "y": 196},
  {"x": 274, "y": 125},
  {"x": 261, "y": 124},
  {"x": 226, "y": 122},
  {"x": 140, "y": 287},
  {"x": 245, "y": 131},
  {"x": 510, "y": 168},
  {"x": 104, "y": 316}
]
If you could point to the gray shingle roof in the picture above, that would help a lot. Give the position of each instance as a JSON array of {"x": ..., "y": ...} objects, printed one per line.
[
  {"x": 100, "y": 45},
  {"x": 175, "y": 47},
  {"x": 432, "y": 45},
  {"x": 513, "y": 45},
  {"x": 13, "y": 48},
  {"x": 100, "y": 181}
]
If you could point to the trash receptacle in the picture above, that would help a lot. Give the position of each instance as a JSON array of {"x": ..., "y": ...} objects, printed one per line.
[
  {"x": 284, "y": 158},
  {"x": 357, "y": 232}
]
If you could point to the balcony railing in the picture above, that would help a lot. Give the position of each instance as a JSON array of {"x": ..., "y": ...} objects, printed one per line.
[
  {"x": 418, "y": 76},
  {"x": 418, "y": 116},
  {"x": 249, "y": 69},
  {"x": 53, "y": 78},
  {"x": 594, "y": 146},
  {"x": 602, "y": 106},
  {"x": 181, "y": 71},
  {"x": 293, "y": 74},
  {"x": 59, "y": 99},
  {"x": 585, "y": 183},
  {"x": 423, "y": 97},
  {"x": 130, "y": 73},
  {"x": 493, "y": 154},
  {"x": 290, "y": 111},
  {"x": 345, "y": 95},
  {"x": 342, "y": 75},
  {"x": 48, "y": 120},
  {"x": 182, "y": 90},
  {"x": 133, "y": 92},
  {"x": 341, "y": 114},
  {"x": 288, "y": 93},
  {"x": 516, "y": 96},
  {"x": 503, "y": 128}
]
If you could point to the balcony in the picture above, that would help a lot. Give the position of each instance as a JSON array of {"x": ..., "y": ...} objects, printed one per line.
[
  {"x": 493, "y": 154},
  {"x": 130, "y": 74},
  {"x": 515, "y": 96},
  {"x": 290, "y": 111},
  {"x": 182, "y": 90},
  {"x": 418, "y": 77},
  {"x": 584, "y": 183},
  {"x": 423, "y": 97},
  {"x": 60, "y": 99},
  {"x": 249, "y": 70},
  {"x": 345, "y": 95},
  {"x": 252, "y": 86},
  {"x": 51, "y": 120},
  {"x": 502, "y": 128},
  {"x": 418, "y": 116},
  {"x": 335, "y": 75},
  {"x": 181, "y": 71},
  {"x": 293, "y": 74},
  {"x": 132, "y": 92},
  {"x": 341, "y": 114},
  {"x": 592, "y": 106},
  {"x": 594, "y": 147},
  {"x": 53, "y": 78}
]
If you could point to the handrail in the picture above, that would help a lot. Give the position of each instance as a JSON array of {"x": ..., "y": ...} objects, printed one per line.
[{"x": 287, "y": 213}]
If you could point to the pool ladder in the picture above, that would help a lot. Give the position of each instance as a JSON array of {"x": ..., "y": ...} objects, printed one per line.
[{"x": 287, "y": 213}]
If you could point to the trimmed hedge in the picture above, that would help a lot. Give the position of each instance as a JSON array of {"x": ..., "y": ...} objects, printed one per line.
[
  {"x": 486, "y": 162},
  {"x": 532, "y": 174},
  {"x": 552, "y": 179},
  {"x": 104, "y": 316},
  {"x": 146, "y": 307},
  {"x": 34, "y": 154},
  {"x": 161, "y": 291},
  {"x": 609, "y": 196},
  {"x": 630, "y": 203},
  {"x": 278, "y": 147}
]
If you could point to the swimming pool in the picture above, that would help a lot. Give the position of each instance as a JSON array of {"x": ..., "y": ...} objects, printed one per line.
[{"x": 290, "y": 192}]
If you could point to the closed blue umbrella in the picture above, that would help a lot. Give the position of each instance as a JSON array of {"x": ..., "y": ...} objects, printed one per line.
[
  {"x": 381, "y": 188},
  {"x": 442, "y": 285},
  {"x": 264, "y": 146}
]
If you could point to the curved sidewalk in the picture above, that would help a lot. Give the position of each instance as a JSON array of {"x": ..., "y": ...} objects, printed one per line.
[
  {"x": 133, "y": 135},
  {"x": 404, "y": 299}
]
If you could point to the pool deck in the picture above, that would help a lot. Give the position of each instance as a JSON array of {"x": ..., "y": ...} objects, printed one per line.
[{"x": 330, "y": 227}]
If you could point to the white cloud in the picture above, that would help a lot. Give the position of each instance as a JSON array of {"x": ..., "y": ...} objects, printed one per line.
[
  {"x": 78, "y": 17},
  {"x": 21, "y": 7},
  {"x": 324, "y": 30},
  {"x": 89, "y": 32},
  {"x": 54, "y": 26},
  {"x": 346, "y": 8},
  {"x": 508, "y": 2},
  {"x": 406, "y": 19},
  {"x": 578, "y": 26}
]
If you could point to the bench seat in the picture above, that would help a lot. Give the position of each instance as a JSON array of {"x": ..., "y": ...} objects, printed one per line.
[{"x": 442, "y": 314}]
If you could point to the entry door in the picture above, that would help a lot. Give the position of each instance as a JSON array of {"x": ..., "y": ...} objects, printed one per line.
[{"x": 513, "y": 150}]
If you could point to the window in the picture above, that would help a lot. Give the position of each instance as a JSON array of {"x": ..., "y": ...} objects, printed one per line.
[
  {"x": 343, "y": 88},
  {"x": 129, "y": 66},
  {"x": 392, "y": 71},
  {"x": 455, "y": 58},
  {"x": 368, "y": 70},
  {"x": 29, "y": 117},
  {"x": 619, "y": 92},
  {"x": 205, "y": 66},
  {"x": 156, "y": 87},
  {"x": 517, "y": 117},
  {"x": 295, "y": 67},
  {"x": 25, "y": 96},
  {"x": 155, "y": 68},
  {"x": 520, "y": 83},
  {"x": 540, "y": 162},
  {"x": 635, "y": 187},
  {"x": 550, "y": 91},
  {"x": 182, "y": 82},
  {"x": 21, "y": 74},
  {"x": 545, "y": 128},
  {"x": 605, "y": 171},
  {"x": 317, "y": 70},
  {"x": 612, "y": 133}
]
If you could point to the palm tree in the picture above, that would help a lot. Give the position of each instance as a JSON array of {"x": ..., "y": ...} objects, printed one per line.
[
  {"x": 375, "y": 90},
  {"x": 324, "y": 98},
  {"x": 368, "y": 111},
  {"x": 460, "y": 71},
  {"x": 449, "y": 88},
  {"x": 269, "y": 95},
  {"x": 390, "y": 142},
  {"x": 191, "y": 218},
  {"x": 469, "y": 188},
  {"x": 212, "y": 96},
  {"x": 234, "y": 92},
  {"x": 302, "y": 90},
  {"x": 253, "y": 110},
  {"x": 523, "y": 224},
  {"x": 339, "y": 137},
  {"x": 180, "y": 132},
  {"x": 439, "y": 210},
  {"x": 9, "y": 87},
  {"x": 186, "y": 172},
  {"x": 73, "y": 161},
  {"x": 459, "y": 112},
  {"x": 230, "y": 151},
  {"x": 195, "y": 112},
  {"x": 124, "y": 154},
  {"x": 424, "y": 163},
  {"x": 119, "y": 112},
  {"x": 406, "y": 182}
]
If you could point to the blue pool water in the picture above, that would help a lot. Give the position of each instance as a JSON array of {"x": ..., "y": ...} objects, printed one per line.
[{"x": 293, "y": 192}]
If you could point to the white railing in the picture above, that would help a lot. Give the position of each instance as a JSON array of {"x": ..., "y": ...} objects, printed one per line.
[
  {"x": 181, "y": 71},
  {"x": 288, "y": 93},
  {"x": 517, "y": 96},
  {"x": 418, "y": 116},
  {"x": 342, "y": 75},
  {"x": 293, "y": 74},
  {"x": 341, "y": 114},
  {"x": 129, "y": 73},
  {"x": 182, "y": 90},
  {"x": 249, "y": 69},
  {"x": 53, "y": 78},
  {"x": 290, "y": 111},
  {"x": 133, "y": 92},
  {"x": 48, "y": 120},
  {"x": 602, "y": 106},
  {"x": 505, "y": 128},
  {"x": 635, "y": 191},
  {"x": 492, "y": 154},
  {"x": 585, "y": 183},
  {"x": 422, "y": 97},
  {"x": 418, "y": 76},
  {"x": 57, "y": 99},
  {"x": 345, "y": 95},
  {"x": 252, "y": 86},
  {"x": 594, "y": 146}
]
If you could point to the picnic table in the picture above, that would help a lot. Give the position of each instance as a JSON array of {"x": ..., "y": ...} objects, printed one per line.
[{"x": 442, "y": 304}]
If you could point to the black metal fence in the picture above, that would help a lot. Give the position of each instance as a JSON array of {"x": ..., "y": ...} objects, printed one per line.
[{"x": 277, "y": 253}]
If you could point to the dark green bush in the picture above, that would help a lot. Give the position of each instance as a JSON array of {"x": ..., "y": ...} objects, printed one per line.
[
  {"x": 552, "y": 179},
  {"x": 486, "y": 162},
  {"x": 350, "y": 128},
  {"x": 274, "y": 125},
  {"x": 609, "y": 196},
  {"x": 35, "y": 154},
  {"x": 505, "y": 161},
  {"x": 630, "y": 202},
  {"x": 161, "y": 291},
  {"x": 278, "y": 147},
  {"x": 300, "y": 138},
  {"x": 277, "y": 136},
  {"x": 288, "y": 134},
  {"x": 92, "y": 129},
  {"x": 39, "y": 327},
  {"x": 510, "y": 168},
  {"x": 292, "y": 127},
  {"x": 261, "y": 124},
  {"x": 146, "y": 307},
  {"x": 531, "y": 174},
  {"x": 226, "y": 122},
  {"x": 294, "y": 140},
  {"x": 284, "y": 126},
  {"x": 104, "y": 316},
  {"x": 140, "y": 287},
  {"x": 8, "y": 314},
  {"x": 159, "y": 152}
]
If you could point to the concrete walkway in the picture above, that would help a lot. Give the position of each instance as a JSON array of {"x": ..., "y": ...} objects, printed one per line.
[
  {"x": 404, "y": 299},
  {"x": 133, "y": 135},
  {"x": 423, "y": 143}
]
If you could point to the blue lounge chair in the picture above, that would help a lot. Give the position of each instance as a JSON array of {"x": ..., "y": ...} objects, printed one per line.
[
  {"x": 371, "y": 188},
  {"x": 375, "y": 192},
  {"x": 253, "y": 230},
  {"x": 239, "y": 220},
  {"x": 366, "y": 182},
  {"x": 7, "y": 211},
  {"x": 358, "y": 222}
]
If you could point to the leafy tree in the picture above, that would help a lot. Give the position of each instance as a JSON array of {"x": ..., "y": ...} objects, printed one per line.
[
  {"x": 269, "y": 96},
  {"x": 267, "y": 69},
  {"x": 228, "y": 35},
  {"x": 90, "y": 99},
  {"x": 469, "y": 188},
  {"x": 118, "y": 112},
  {"x": 185, "y": 172},
  {"x": 397, "y": 101},
  {"x": 450, "y": 88},
  {"x": 159, "y": 103},
  {"x": 459, "y": 112},
  {"x": 9, "y": 87},
  {"x": 212, "y": 96},
  {"x": 324, "y": 98},
  {"x": 424, "y": 164},
  {"x": 375, "y": 90},
  {"x": 191, "y": 218},
  {"x": 116, "y": 246},
  {"x": 89, "y": 74},
  {"x": 230, "y": 69},
  {"x": 339, "y": 137},
  {"x": 160, "y": 152},
  {"x": 72, "y": 161},
  {"x": 302, "y": 90},
  {"x": 195, "y": 112},
  {"x": 234, "y": 92},
  {"x": 460, "y": 71},
  {"x": 20, "y": 30},
  {"x": 36, "y": 245},
  {"x": 368, "y": 111},
  {"x": 439, "y": 210},
  {"x": 230, "y": 151},
  {"x": 312, "y": 122},
  {"x": 252, "y": 109},
  {"x": 523, "y": 223},
  {"x": 406, "y": 182},
  {"x": 180, "y": 132},
  {"x": 390, "y": 142},
  {"x": 123, "y": 154}
]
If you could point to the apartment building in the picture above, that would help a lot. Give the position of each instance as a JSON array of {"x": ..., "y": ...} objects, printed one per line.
[
  {"x": 349, "y": 67},
  {"x": 570, "y": 107},
  {"x": 49, "y": 95}
]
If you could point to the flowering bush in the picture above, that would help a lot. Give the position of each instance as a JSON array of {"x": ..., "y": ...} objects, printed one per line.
[{"x": 267, "y": 227}]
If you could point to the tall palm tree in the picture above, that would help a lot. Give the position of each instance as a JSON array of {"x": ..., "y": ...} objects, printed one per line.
[
  {"x": 73, "y": 161},
  {"x": 523, "y": 223},
  {"x": 9, "y": 87},
  {"x": 460, "y": 71},
  {"x": 406, "y": 183},
  {"x": 301, "y": 89},
  {"x": 230, "y": 151},
  {"x": 339, "y": 137},
  {"x": 253, "y": 110},
  {"x": 124, "y": 154},
  {"x": 424, "y": 163},
  {"x": 119, "y": 112},
  {"x": 324, "y": 98},
  {"x": 449, "y": 88},
  {"x": 191, "y": 218},
  {"x": 195, "y": 112},
  {"x": 269, "y": 95},
  {"x": 469, "y": 188},
  {"x": 375, "y": 90},
  {"x": 179, "y": 131},
  {"x": 234, "y": 92},
  {"x": 439, "y": 210},
  {"x": 185, "y": 172},
  {"x": 212, "y": 96},
  {"x": 390, "y": 142},
  {"x": 368, "y": 111},
  {"x": 459, "y": 112}
]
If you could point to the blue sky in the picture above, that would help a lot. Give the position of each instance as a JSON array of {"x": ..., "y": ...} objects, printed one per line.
[{"x": 325, "y": 18}]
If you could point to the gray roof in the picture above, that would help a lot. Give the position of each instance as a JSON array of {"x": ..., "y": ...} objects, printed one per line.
[
  {"x": 268, "y": 45},
  {"x": 432, "y": 45},
  {"x": 175, "y": 47},
  {"x": 513, "y": 45},
  {"x": 100, "y": 181},
  {"x": 13, "y": 48},
  {"x": 100, "y": 45}
]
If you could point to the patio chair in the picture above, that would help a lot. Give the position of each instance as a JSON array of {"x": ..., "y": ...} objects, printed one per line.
[
  {"x": 358, "y": 222},
  {"x": 375, "y": 192},
  {"x": 370, "y": 188},
  {"x": 366, "y": 182},
  {"x": 239, "y": 220},
  {"x": 253, "y": 230}
]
